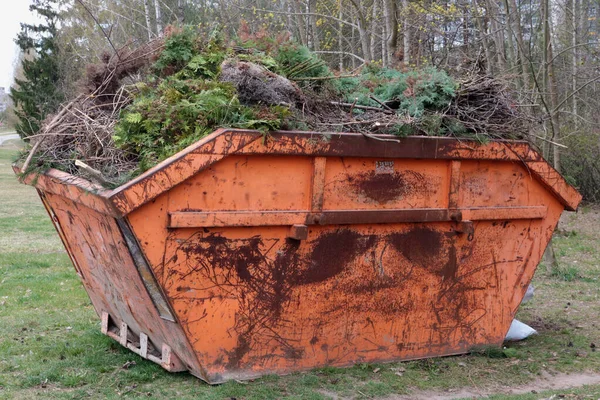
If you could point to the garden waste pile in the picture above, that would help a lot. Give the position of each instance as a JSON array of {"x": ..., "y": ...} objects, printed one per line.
[{"x": 143, "y": 105}]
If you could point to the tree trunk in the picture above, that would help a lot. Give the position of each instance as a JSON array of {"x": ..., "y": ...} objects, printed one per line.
[
  {"x": 147, "y": 15},
  {"x": 482, "y": 27},
  {"x": 406, "y": 33},
  {"x": 516, "y": 31},
  {"x": 575, "y": 56},
  {"x": 465, "y": 27},
  {"x": 497, "y": 34},
  {"x": 300, "y": 23},
  {"x": 159, "y": 27},
  {"x": 314, "y": 31},
  {"x": 550, "y": 86},
  {"x": 549, "y": 258},
  {"x": 340, "y": 36},
  {"x": 362, "y": 30},
  {"x": 510, "y": 46},
  {"x": 374, "y": 27},
  {"x": 523, "y": 56},
  {"x": 352, "y": 43},
  {"x": 181, "y": 11},
  {"x": 384, "y": 59},
  {"x": 391, "y": 29},
  {"x": 554, "y": 112}
]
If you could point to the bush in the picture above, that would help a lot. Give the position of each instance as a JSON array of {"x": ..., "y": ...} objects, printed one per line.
[
  {"x": 171, "y": 112},
  {"x": 37, "y": 95},
  {"x": 414, "y": 92},
  {"x": 581, "y": 164}
]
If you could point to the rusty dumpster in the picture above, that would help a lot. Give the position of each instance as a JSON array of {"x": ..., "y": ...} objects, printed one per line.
[{"x": 243, "y": 255}]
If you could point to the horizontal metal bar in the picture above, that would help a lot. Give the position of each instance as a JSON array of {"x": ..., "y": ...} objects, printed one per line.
[
  {"x": 504, "y": 213},
  {"x": 198, "y": 219}
]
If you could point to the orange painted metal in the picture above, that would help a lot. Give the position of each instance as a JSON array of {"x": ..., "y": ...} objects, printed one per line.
[{"x": 242, "y": 256}]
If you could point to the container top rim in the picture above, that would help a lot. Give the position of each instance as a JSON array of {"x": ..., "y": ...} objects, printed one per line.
[{"x": 224, "y": 142}]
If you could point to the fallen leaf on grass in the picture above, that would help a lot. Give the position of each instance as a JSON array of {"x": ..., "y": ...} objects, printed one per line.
[
  {"x": 581, "y": 353},
  {"x": 128, "y": 364}
]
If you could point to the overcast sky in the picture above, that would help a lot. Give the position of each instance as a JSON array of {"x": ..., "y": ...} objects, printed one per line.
[{"x": 13, "y": 13}]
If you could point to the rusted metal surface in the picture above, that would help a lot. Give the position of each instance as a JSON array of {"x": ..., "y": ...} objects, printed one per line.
[
  {"x": 555, "y": 183},
  {"x": 194, "y": 219},
  {"x": 141, "y": 345},
  {"x": 228, "y": 142},
  {"x": 306, "y": 250},
  {"x": 145, "y": 272},
  {"x": 76, "y": 189},
  {"x": 109, "y": 275}
]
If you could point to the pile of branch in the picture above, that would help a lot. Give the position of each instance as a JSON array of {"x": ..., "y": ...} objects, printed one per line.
[
  {"x": 78, "y": 139},
  {"x": 103, "y": 81},
  {"x": 483, "y": 105}
]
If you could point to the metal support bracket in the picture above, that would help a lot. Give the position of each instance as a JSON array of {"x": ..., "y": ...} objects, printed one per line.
[{"x": 141, "y": 345}]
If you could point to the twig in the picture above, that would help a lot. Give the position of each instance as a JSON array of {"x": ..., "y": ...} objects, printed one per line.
[
  {"x": 380, "y": 102},
  {"x": 48, "y": 128},
  {"x": 363, "y": 122},
  {"x": 338, "y": 103},
  {"x": 101, "y": 28},
  {"x": 353, "y": 105},
  {"x": 550, "y": 141},
  {"x": 322, "y": 78},
  {"x": 380, "y": 139},
  {"x": 93, "y": 172}
]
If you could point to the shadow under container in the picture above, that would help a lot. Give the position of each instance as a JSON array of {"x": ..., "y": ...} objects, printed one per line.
[{"x": 242, "y": 255}]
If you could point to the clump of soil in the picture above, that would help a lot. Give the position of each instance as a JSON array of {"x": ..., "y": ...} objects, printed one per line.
[{"x": 255, "y": 84}]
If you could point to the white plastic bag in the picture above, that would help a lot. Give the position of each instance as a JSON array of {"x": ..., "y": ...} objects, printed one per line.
[{"x": 519, "y": 331}]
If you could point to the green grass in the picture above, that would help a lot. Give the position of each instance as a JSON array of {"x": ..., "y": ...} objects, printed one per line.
[{"x": 51, "y": 345}]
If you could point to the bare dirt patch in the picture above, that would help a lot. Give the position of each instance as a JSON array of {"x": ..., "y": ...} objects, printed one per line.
[{"x": 546, "y": 382}]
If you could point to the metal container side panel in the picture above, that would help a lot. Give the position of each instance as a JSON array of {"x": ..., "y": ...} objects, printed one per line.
[
  {"x": 109, "y": 275},
  {"x": 252, "y": 301}
]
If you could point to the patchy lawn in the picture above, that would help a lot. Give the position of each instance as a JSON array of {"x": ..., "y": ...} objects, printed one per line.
[{"x": 51, "y": 346}]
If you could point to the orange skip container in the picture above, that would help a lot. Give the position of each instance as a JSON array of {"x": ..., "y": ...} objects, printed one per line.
[{"x": 242, "y": 256}]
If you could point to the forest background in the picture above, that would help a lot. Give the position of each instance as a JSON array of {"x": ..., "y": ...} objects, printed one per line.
[{"x": 546, "y": 51}]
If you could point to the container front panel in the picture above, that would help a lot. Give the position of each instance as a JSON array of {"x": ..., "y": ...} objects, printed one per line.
[{"x": 253, "y": 301}]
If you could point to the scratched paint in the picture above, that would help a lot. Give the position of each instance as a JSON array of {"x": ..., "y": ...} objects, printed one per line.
[{"x": 249, "y": 301}]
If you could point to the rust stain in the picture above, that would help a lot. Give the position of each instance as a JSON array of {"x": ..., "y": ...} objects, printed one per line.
[
  {"x": 239, "y": 351},
  {"x": 420, "y": 245},
  {"x": 382, "y": 187},
  {"x": 331, "y": 253},
  {"x": 245, "y": 270}
]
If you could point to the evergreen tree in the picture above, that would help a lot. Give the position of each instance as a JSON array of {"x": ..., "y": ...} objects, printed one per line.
[{"x": 38, "y": 93}]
